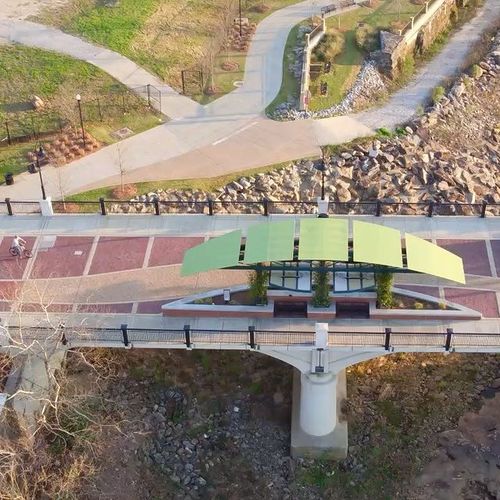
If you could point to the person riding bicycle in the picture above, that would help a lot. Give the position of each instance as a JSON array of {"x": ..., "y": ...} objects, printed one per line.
[{"x": 18, "y": 244}]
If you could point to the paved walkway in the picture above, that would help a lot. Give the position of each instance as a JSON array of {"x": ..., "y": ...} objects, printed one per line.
[
  {"x": 131, "y": 264},
  {"x": 230, "y": 135}
]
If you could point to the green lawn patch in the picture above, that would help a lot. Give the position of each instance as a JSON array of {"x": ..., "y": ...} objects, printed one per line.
[
  {"x": 166, "y": 36},
  {"x": 56, "y": 79},
  {"x": 347, "y": 64}
]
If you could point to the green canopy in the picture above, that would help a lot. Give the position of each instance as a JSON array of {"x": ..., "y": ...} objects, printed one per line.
[
  {"x": 268, "y": 242},
  {"x": 425, "y": 257},
  {"x": 324, "y": 239},
  {"x": 377, "y": 244},
  {"x": 216, "y": 253}
]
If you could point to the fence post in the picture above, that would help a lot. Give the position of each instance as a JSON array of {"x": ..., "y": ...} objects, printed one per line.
[
  {"x": 103, "y": 206},
  {"x": 125, "y": 334},
  {"x": 210, "y": 206},
  {"x": 430, "y": 210},
  {"x": 9, "y": 206},
  {"x": 9, "y": 142},
  {"x": 99, "y": 109},
  {"x": 379, "y": 208},
  {"x": 64, "y": 340},
  {"x": 251, "y": 333},
  {"x": 187, "y": 335},
  {"x": 387, "y": 344},
  {"x": 265, "y": 202},
  {"x": 156, "y": 203},
  {"x": 148, "y": 87},
  {"x": 449, "y": 333},
  {"x": 483, "y": 209}
]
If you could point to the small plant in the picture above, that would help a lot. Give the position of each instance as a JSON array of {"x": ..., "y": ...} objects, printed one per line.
[
  {"x": 442, "y": 306},
  {"x": 384, "y": 132},
  {"x": 321, "y": 296},
  {"x": 476, "y": 71},
  {"x": 258, "y": 286},
  {"x": 330, "y": 46},
  {"x": 205, "y": 300},
  {"x": 367, "y": 38},
  {"x": 384, "y": 283},
  {"x": 418, "y": 305},
  {"x": 437, "y": 94}
]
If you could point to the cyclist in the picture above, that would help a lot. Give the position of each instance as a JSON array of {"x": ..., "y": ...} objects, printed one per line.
[{"x": 18, "y": 244}]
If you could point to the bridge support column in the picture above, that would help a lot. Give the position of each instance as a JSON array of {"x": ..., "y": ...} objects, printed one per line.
[{"x": 316, "y": 430}]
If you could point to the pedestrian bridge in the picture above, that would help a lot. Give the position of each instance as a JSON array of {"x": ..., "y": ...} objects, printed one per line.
[{"x": 101, "y": 281}]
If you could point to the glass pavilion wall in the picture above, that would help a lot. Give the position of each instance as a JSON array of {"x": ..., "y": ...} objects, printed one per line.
[{"x": 297, "y": 276}]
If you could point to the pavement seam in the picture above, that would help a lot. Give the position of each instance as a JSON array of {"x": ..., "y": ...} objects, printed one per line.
[
  {"x": 31, "y": 261},
  {"x": 90, "y": 258},
  {"x": 147, "y": 254},
  {"x": 491, "y": 259}
]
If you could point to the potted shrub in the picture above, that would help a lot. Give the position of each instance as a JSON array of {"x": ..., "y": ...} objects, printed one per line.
[
  {"x": 258, "y": 286},
  {"x": 384, "y": 282},
  {"x": 321, "y": 295}
]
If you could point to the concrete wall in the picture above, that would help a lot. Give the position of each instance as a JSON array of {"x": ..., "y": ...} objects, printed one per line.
[
  {"x": 312, "y": 40},
  {"x": 415, "y": 37}
]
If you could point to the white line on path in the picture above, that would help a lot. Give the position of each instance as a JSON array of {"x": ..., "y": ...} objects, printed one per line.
[{"x": 242, "y": 129}]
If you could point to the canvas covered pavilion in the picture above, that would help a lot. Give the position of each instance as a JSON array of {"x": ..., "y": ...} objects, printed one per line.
[{"x": 323, "y": 244}]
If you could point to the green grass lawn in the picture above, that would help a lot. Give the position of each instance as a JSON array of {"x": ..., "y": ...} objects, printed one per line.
[
  {"x": 289, "y": 84},
  {"x": 163, "y": 36},
  {"x": 56, "y": 79},
  {"x": 347, "y": 64}
]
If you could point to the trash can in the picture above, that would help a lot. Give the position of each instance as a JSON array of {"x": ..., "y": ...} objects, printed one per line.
[
  {"x": 9, "y": 178},
  {"x": 32, "y": 168}
]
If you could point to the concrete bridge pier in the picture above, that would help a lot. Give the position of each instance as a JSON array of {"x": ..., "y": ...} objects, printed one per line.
[{"x": 317, "y": 426}]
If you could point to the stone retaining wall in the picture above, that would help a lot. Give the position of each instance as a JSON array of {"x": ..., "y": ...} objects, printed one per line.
[
  {"x": 416, "y": 37},
  {"x": 312, "y": 40}
]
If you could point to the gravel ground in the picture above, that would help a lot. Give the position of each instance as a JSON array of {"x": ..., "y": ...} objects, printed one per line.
[{"x": 22, "y": 9}]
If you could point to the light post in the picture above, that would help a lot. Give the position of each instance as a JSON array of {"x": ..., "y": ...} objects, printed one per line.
[
  {"x": 39, "y": 154},
  {"x": 241, "y": 35},
  {"x": 78, "y": 100},
  {"x": 322, "y": 167}
]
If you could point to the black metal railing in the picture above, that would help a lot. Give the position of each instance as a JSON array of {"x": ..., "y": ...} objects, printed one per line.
[
  {"x": 198, "y": 338},
  {"x": 263, "y": 207}
]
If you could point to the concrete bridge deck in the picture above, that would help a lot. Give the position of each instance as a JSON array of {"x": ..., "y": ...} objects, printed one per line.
[{"x": 128, "y": 265}]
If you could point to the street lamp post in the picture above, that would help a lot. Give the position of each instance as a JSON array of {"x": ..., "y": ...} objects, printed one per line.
[
  {"x": 78, "y": 100},
  {"x": 322, "y": 167},
  {"x": 39, "y": 153},
  {"x": 241, "y": 35}
]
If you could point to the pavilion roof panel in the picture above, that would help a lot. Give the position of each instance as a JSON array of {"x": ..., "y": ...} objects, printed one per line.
[
  {"x": 324, "y": 239},
  {"x": 377, "y": 244},
  {"x": 270, "y": 241},
  {"x": 216, "y": 253},
  {"x": 426, "y": 257}
]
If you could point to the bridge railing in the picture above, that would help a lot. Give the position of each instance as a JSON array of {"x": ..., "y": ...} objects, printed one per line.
[
  {"x": 198, "y": 338},
  {"x": 263, "y": 207}
]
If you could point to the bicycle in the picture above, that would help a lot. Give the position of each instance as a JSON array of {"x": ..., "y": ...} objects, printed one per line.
[{"x": 14, "y": 251}]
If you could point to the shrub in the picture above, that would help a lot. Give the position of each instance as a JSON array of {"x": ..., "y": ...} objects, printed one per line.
[
  {"x": 418, "y": 305},
  {"x": 384, "y": 283},
  {"x": 367, "y": 38},
  {"x": 330, "y": 46},
  {"x": 442, "y": 306},
  {"x": 257, "y": 281},
  {"x": 437, "y": 94},
  {"x": 321, "y": 296},
  {"x": 476, "y": 71}
]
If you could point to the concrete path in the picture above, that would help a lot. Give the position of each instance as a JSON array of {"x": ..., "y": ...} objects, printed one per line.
[{"x": 220, "y": 139}]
